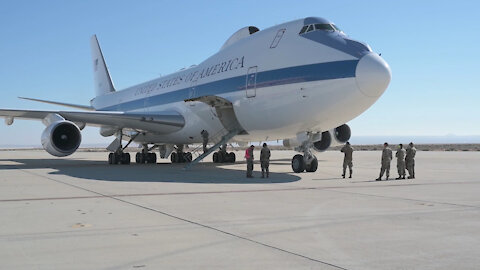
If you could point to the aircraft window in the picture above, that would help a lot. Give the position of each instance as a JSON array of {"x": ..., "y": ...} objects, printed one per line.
[
  {"x": 325, "y": 27},
  {"x": 303, "y": 29},
  {"x": 336, "y": 28},
  {"x": 310, "y": 28}
]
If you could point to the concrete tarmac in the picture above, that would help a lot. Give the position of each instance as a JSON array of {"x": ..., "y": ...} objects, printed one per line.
[{"x": 81, "y": 213}]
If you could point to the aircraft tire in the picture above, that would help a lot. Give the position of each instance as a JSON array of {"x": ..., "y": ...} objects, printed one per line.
[
  {"x": 312, "y": 167},
  {"x": 298, "y": 164},
  {"x": 125, "y": 158},
  {"x": 232, "y": 157},
  {"x": 151, "y": 158},
  {"x": 221, "y": 157},
  {"x": 110, "y": 158},
  {"x": 139, "y": 158},
  {"x": 215, "y": 157},
  {"x": 174, "y": 157}
]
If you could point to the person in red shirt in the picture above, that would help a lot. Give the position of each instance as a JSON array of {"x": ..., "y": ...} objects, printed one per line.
[{"x": 249, "y": 158}]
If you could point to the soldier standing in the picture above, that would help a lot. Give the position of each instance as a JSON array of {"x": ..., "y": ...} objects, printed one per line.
[
  {"x": 204, "y": 134},
  {"x": 400, "y": 161},
  {"x": 386, "y": 159},
  {"x": 265, "y": 160},
  {"x": 347, "y": 160},
  {"x": 249, "y": 157},
  {"x": 410, "y": 160}
]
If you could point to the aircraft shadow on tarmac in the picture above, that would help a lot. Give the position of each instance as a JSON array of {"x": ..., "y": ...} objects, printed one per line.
[{"x": 205, "y": 172}]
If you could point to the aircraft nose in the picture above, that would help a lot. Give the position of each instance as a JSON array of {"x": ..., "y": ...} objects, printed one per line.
[{"x": 372, "y": 75}]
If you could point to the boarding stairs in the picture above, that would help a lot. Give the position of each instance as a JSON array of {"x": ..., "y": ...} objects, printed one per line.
[{"x": 224, "y": 139}]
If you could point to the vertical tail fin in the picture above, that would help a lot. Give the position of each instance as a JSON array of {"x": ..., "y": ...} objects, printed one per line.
[{"x": 102, "y": 80}]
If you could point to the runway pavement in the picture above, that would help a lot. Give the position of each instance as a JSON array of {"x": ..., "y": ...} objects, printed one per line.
[{"x": 81, "y": 213}]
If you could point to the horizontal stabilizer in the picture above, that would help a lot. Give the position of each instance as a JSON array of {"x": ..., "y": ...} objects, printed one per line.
[{"x": 82, "y": 107}]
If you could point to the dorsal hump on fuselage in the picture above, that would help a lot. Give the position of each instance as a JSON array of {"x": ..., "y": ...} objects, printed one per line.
[{"x": 240, "y": 34}]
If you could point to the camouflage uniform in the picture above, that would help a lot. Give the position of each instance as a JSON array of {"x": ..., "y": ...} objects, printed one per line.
[
  {"x": 347, "y": 160},
  {"x": 386, "y": 159},
  {"x": 265, "y": 160},
  {"x": 410, "y": 160},
  {"x": 401, "y": 163}
]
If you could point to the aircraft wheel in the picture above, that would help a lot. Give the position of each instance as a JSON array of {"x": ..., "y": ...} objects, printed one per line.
[
  {"x": 174, "y": 157},
  {"x": 180, "y": 157},
  {"x": 115, "y": 158},
  {"x": 110, "y": 158},
  {"x": 139, "y": 158},
  {"x": 215, "y": 157},
  {"x": 125, "y": 158},
  {"x": 151, "y": 158},
  {"x": 221, "y": 157},
  {"x": 298, "y": 164},
  {"x": 312, "y": 167},
  {"x": 232, "y": 157}
]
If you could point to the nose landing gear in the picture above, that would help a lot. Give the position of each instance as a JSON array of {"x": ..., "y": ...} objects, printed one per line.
[{"x": 306, "y": 162}]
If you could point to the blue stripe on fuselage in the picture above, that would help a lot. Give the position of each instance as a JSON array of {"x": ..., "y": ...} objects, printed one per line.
[{"x": 283, "y": 76}]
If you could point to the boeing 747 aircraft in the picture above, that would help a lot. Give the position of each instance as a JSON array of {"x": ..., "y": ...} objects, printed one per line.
[{"x": 299, "y": 82}]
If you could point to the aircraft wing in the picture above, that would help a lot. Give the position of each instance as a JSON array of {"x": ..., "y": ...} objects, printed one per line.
[{"x": 159, "y": 122}]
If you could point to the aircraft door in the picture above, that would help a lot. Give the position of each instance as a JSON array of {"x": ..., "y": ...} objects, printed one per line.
[{"x": 251, "y": 84}]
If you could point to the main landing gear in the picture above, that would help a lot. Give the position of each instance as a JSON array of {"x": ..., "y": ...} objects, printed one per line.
[
  {"x": 181, "y": 157},
  {"x": 146, "y": 156},
  {"x": 222, "y": 156},
  {"x": 306, "y": 162},
  {"x": 119, "y": 157}
]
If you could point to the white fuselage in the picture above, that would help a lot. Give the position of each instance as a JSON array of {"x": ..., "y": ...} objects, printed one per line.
[{"x": 298, "y": 85}]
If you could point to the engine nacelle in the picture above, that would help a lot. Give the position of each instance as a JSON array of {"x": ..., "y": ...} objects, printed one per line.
[
  {"x": 342, "y": 134},
  {"x": 61, "y": 138},
  {"x": 324, "y": 143}
]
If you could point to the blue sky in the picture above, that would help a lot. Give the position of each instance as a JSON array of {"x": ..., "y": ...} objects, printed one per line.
[{"x": 431, "y": 46}]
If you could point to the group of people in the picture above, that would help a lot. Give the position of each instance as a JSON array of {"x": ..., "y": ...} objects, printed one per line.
[
  {"x": 264, "y": 160},
  {"x": 405, "y": 160}
]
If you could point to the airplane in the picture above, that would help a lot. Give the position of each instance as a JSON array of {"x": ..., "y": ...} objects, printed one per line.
[{"x": 299, "y": 82}]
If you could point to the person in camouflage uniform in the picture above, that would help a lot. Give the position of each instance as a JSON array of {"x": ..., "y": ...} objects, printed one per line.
[
  {"x": 348, "y": 158},
  {"x": 386, "y": 159},
  {"x": 410, "y": 160},
  {"x": 265, "y": 160},
  {"x": 400, "y": 154}
]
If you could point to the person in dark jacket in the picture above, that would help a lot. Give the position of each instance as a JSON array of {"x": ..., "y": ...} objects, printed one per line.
[{"x": 265, "y": 160}]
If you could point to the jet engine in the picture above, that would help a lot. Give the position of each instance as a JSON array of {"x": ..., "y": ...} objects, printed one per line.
[
  {"x": 321, "y": 141},
  {"x": 342, "y": 134},
  {"x": 61, "y": 138},
  {"x": 334, "y": 137}
]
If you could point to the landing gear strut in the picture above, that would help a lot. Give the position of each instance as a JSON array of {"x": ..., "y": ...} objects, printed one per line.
[
  {"x": 223, "y": 156},
  {"x": 306, "y": 162},
  {"x": 119, "y": 157}
]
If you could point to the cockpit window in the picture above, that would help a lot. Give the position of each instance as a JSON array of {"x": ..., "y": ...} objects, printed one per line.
[
  {"x": 336, "y": 28},
  {"x": 319, "y": 26},
  {"x": 326, "y": 27},
  {"x": 303, "y": 29}
]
